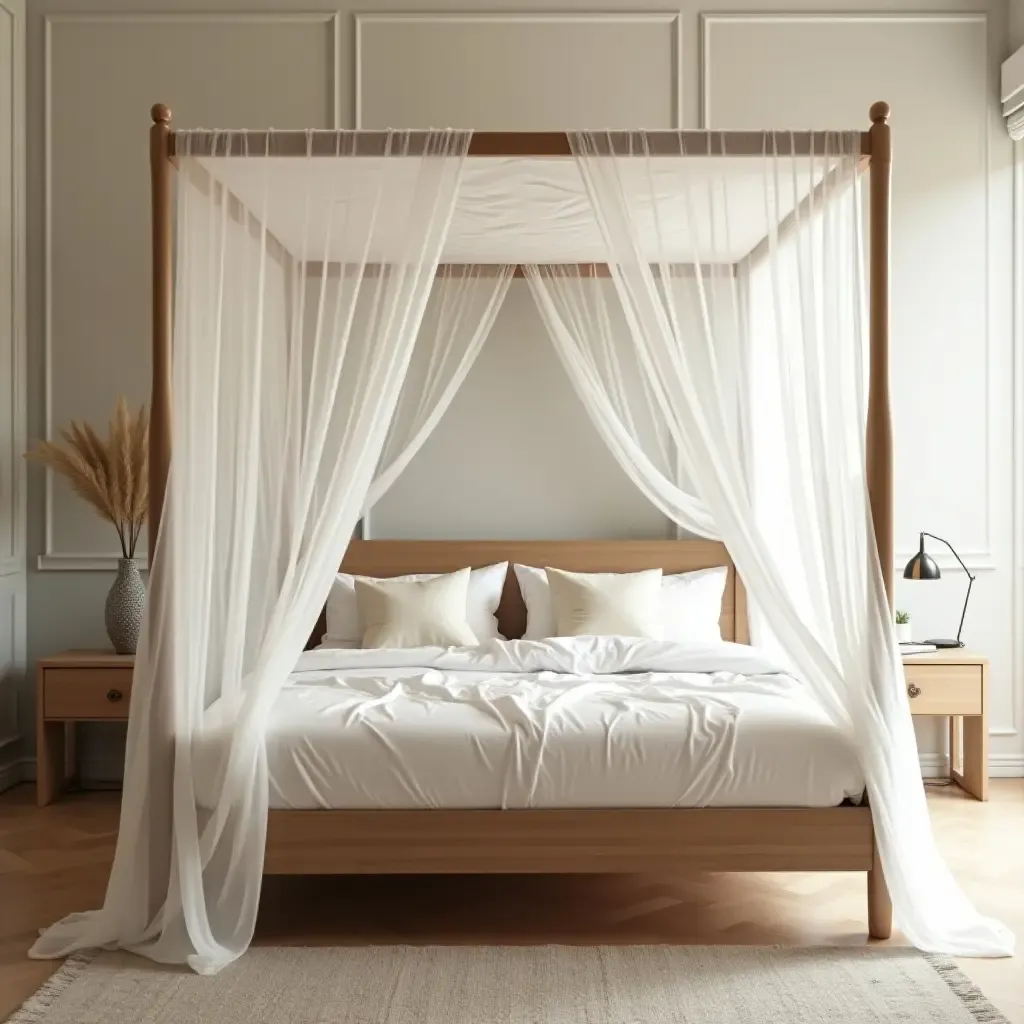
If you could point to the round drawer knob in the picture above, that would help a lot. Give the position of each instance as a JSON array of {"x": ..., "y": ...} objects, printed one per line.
[
  {"x": 114, "y": 696},
  {"x": 913, "y": 691}
]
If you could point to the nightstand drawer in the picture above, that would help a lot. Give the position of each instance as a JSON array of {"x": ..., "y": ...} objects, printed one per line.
[
  {"x": 87, "y": 692},
  {"x": 944, "y": 689}
]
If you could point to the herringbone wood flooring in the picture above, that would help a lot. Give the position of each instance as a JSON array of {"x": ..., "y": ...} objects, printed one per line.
[{"x": 55, "y": 860}]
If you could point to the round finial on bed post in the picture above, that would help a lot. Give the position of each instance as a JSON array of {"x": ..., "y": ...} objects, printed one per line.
[
  {"x": 160, "y": 113},
  {"x": 879, "y": 112}
]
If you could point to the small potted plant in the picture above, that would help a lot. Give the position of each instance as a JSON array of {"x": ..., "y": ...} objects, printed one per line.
[{"x": 903, "y": 627}]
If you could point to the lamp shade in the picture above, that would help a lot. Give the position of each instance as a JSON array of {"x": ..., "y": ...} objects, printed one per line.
[{"x": 922, "y": 567}]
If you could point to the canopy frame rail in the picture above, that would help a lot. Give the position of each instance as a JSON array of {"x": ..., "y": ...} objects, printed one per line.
[
  {"x": 875, "y": 148},
  {"x": 587, "y": 269},
  {"x": 324, "y": 142}
]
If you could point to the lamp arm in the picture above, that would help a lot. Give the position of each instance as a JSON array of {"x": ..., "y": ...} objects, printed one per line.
[
  {"x": 963, "y": 614},
  {"x": 955, "y": 555},
  {"x": 970, "y": 579}
]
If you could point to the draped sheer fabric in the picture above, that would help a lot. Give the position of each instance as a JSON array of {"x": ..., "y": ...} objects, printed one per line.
[
  {"x": 799, "y": 527},
  {"x": 288, "y": 366},
  {"x": 588, "y": 327},
  {"x": 722, "y": 360},
  {"x": 464, "y": 303}
]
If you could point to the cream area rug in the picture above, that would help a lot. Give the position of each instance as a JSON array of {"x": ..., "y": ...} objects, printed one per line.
[{"x": 519, "y": 985}]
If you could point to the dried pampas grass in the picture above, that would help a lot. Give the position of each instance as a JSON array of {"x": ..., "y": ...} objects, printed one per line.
[{"x": 111, "y": 474}]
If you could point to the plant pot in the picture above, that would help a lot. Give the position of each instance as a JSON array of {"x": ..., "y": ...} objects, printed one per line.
[
  {"x": 904, "y": 632},
  {"x": 125, "y": 603}
]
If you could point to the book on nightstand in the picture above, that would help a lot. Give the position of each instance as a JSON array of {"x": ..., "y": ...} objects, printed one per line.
[{"x": 912, "y": 648}]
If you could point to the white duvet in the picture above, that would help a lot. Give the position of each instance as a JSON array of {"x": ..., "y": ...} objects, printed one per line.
[{"x": 567, "y": 722}]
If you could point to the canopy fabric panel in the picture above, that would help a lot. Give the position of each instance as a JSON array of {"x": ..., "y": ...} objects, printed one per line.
[
  {"x": 820, "y": 594},
  {"x": 588, "y": 328},
  {"x": 463, "y": 305},
  {"x": 521, "y": 209},
  {"x": 282, "y": 401}
]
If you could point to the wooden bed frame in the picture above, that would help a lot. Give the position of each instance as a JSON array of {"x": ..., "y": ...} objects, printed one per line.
[
  {"x": 573, "y": 841},
  {"x": 535, "y": 840}
]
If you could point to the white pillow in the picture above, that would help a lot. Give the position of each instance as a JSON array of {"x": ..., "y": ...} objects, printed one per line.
[
  {"x": 415, "y": 613},
  {"x": 344, "y": 627},
  {"x": 691, "y": 604},
  {"x": 606, "y": 603}
]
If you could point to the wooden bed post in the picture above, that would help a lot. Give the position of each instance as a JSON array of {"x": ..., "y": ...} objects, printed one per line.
[
  {"x": 162, "y": 749},
  {"x": 879, "y": 425},
  {"x": 163, "y": 287}
]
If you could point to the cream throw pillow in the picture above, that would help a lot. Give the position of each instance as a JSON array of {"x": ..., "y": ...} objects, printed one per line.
[
  {"x": 607, "y": 603},
  {"x": 415, "y": 613}
]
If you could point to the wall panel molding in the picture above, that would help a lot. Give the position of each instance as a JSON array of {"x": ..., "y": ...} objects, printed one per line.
[
  {"x": 981, "y": 557},
  {"x": 71, "y": 561},
  {"x": 13, "y": 356},
  {"x": 672, "y": 19},
  {"x": 708, "y": 20},
  {"x": 1017, "y": 401},
  {"x": 53, "y": 559}
]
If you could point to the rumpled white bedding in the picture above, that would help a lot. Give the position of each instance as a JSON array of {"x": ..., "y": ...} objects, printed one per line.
[{"x": 565, "y": 722}]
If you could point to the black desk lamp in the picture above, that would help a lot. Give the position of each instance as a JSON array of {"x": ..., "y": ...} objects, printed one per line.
[{"x": 923, "y": 567}]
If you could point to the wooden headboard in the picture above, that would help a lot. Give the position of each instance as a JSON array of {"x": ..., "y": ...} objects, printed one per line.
[{"x": 384, "y": 558}]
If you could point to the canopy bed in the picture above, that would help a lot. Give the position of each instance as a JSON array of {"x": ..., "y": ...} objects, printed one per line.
[
  {"x": 326, "y": 293},
  {"x": 575, "y": 840}
]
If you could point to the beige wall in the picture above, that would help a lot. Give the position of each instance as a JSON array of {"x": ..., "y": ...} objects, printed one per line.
[
  {"x": 1016, "y": 26},
  {"x": 552, "y": 65}
]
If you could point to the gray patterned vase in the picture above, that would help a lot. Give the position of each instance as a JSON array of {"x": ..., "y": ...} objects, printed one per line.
[{"x": 123, "y": 612}]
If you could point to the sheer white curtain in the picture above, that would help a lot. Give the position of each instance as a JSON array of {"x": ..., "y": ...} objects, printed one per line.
[
  {"x": 464, "y": 303},
  {"x": 588, "y": 326},
  {"x": 293, "y": 336},
  {"x": 821, "y": 592}
]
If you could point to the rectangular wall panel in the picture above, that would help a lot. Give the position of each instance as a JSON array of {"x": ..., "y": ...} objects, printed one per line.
[
  {"x": 810, "y": 73},
  {"x": 103, "y": 74},
  {"x": 518, "y": 72}
]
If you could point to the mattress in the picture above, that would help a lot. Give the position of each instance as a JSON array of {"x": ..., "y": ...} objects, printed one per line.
[{"x": 543, "y": 724}]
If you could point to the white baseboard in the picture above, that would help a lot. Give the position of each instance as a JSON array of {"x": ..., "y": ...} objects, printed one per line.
[{"x": 1000, "y": 766}]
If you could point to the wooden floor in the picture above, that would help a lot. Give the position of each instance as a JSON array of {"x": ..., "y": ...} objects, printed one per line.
[{"x": 55, "y": 861}]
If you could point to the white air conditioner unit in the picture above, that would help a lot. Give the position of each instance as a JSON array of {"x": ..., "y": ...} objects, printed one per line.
[{"x": 1013, "y": 94}]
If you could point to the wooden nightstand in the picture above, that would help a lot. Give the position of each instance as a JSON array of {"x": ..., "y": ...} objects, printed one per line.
[
  {"x": 955, "y": 683},
  {"x": 78, "y": 686}
]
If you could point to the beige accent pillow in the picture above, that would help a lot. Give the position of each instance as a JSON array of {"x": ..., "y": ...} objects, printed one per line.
[
  {"x": 415, "y": 613},
  {"x": 607, "y": 603}
]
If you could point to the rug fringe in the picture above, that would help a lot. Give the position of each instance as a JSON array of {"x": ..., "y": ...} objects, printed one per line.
[
  {"x": 975, "y": 1001},
  {"x": 35, "y": 1008}
]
